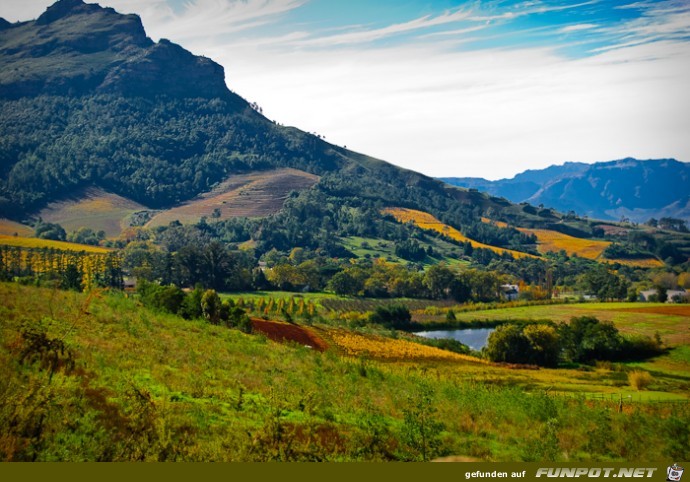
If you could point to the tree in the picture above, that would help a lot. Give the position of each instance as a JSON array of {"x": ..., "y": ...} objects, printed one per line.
[
  {"x": 544, "y": 344},
  {"x": 346, "y": 283},
  {"x": 439, "y": 280},
  {"x": 508, "y": 344},
  {"x": 586, "y": 338},
  {"x": 50, "y": 231},
  {"x": 392, "y": 316},
  {"x": 210, "y": 306}
]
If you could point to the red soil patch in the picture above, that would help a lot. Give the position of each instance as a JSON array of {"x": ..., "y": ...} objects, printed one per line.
[
  {"x": 283, "y": 332},
  {"x": 677, "y": 310}
]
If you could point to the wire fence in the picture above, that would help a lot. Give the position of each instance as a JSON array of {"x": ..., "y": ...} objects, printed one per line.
[{"x": 620, "y": 400}]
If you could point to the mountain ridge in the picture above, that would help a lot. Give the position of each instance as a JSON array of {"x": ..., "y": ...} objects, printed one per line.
[{"x": 627, "y": 188}]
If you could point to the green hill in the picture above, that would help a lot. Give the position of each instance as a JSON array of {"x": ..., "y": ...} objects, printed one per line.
[{"x": 96, "y": 378}]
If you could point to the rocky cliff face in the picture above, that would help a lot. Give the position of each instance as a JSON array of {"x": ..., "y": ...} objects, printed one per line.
[{"x": 76, "y": 48}]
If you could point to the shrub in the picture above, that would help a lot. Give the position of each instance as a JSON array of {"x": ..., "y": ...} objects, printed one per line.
[
  {"x": 392, "y": 316},
  {"x": 639, "y": 379}
]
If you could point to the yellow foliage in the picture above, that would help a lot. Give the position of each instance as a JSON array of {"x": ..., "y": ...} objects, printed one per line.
[
  {"x": 427, "y": 221},
  {"x": 36, "y": 243},
  {"x": 390, "y": 349},
  {"x": 553, "y": 241},
  {"x": 500, "y": 224}
]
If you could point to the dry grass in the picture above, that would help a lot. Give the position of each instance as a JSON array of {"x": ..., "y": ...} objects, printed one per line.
[
  {"x": 500, "y": 224},
  {"x": 639, "y": 379},
  {"x": 10, "y": 228},
  {"x": 36, "y": 243},
  {"x": 92, "y": 208},
  {"x": 257, "y": 194},
  {"x": 427, "y": 221}
]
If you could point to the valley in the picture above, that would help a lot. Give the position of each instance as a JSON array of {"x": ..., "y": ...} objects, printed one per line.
[{"x": 185, "y": 279}]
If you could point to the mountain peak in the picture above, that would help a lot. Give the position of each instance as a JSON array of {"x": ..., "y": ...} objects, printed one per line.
[
  {"x": 65, "y": 8},
  {"x": 76, "y": 47},
  {"x": 4, "y": 24}
]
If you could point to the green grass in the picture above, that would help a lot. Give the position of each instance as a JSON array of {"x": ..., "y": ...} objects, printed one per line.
[
  {"x": 673, "y": 329},
  {"x": 378, "y": 248},
  {"x": 132, "y": 384}
]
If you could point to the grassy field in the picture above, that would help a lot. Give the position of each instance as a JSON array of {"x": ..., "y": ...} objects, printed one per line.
[
  {"x": 46, "y": 243},
  {"x": 672, "y": 322},
  {"x": 371, "y": 247},
  {"x": 93, "y": 208},
  {"x": 427, "y": 221},
  {"x": 255, "y": 194},
  {"x": 96, "y": 377}
]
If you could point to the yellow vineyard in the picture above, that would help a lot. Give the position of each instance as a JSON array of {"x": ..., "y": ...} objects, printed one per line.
[
  {"x": 354, "y": 344},
  {"x": 553, "y": 241},
  {"x": 35, "y": 243},
  {"x": 427, "y": 221},
  {"x": 550, "y": 241}
]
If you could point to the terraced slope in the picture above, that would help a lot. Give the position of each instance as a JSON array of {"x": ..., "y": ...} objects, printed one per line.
[{"x": 256, "y": 194}]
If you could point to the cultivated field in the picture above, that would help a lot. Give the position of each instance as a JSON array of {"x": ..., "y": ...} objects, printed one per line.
[
  {"x": 672, "y": 322},
  {"x": 553, "y": 241},
  {"x": 256, "y": 194},
  {"x": 427, "y": 221},
  {"x": 93, "y": 208},
  {"x": 36, "y": 243}
]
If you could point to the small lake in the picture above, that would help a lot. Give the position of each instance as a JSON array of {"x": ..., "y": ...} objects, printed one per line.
[{"x": 475, "y": 338}]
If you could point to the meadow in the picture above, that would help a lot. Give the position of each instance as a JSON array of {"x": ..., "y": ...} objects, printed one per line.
[
  {"x": 92, "y": 208},
  {"x": 98, "y": 377}
]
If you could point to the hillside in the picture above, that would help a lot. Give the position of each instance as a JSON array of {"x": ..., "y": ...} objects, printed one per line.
[
  {"x": 88, "y": 101},
  {"x": 628, "y": 188},
  {"x": 97, "y": 377}
]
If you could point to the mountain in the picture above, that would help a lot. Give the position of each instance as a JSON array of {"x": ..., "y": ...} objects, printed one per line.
[
  {"x": 87, "y": 100},
  {"x": 628, "y": 188}
]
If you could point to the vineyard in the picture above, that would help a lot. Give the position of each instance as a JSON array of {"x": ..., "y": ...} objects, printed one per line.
[
  {"x": 553, "y": 241},
  {"x": 256, "y": 194},
  {"x": 389, "y": 349},
  {"x": 80, "y": 270},
  {"x": 35, "y": 243},
  {"x": 428, "y": 222}
]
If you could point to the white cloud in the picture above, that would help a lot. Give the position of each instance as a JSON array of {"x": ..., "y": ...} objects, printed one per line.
[
  {"x": 489, "y": 113},
  {"x": 578, "y": 27},
  {"x": 361, "y": 36}
]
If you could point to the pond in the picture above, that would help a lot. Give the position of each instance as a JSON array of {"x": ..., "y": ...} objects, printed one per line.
[{"x": 475, "y": 338}]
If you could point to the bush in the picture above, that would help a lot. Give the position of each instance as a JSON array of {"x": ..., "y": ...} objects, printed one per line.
[
  {"x": 392, "y": 316},
  {"x": 639, "y": 379}
]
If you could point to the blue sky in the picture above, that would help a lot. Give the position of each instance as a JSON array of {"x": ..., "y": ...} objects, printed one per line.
[{"x": 449, "y": 88}]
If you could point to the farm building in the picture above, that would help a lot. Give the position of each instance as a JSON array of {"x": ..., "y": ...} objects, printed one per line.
[
  {"x": 510, "y": 292},
  {"x": 672, "y": 296}
]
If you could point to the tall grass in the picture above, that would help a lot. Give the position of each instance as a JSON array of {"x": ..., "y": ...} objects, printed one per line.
[{"x": 133, "y": 385}]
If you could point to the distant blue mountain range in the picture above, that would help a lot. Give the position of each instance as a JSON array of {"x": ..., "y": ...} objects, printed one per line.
[{"x": 630, "y": 188}]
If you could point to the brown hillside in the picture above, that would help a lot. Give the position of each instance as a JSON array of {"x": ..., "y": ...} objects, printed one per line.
[{"x": 256, "y": 194}]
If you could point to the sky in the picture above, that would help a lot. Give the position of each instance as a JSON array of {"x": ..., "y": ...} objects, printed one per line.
[{"x": 449, "y": 88}]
